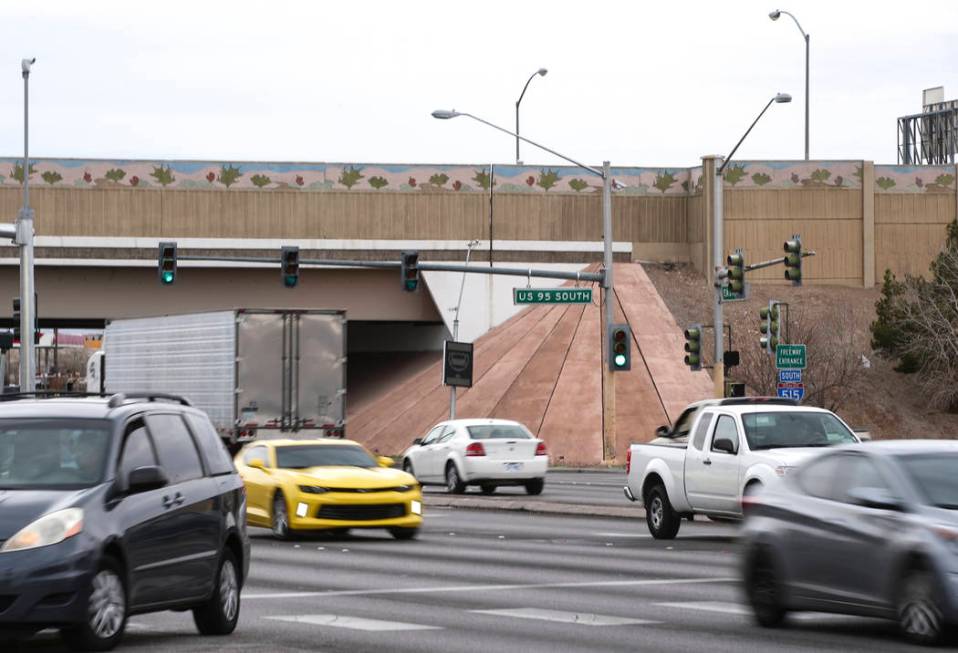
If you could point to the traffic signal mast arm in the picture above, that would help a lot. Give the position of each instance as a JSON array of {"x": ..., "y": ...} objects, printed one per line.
[{"x": 774, "y": 261}]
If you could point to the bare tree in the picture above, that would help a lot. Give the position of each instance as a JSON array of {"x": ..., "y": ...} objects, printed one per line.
[{"x": 834, "y": 373}]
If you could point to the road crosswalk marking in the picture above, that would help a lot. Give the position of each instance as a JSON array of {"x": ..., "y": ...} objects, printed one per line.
[
  {"x": 581, "y": 618},
  {"x": 353, "y": 623}
]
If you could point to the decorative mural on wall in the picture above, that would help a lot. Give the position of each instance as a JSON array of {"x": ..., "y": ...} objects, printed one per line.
[
  {"x": 915, "y": 179},
  {"x": 371, "y": 177}
]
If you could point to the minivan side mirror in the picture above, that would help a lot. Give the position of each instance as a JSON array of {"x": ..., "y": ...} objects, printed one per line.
[
  {"x": 144, "y": 479},
  {"x": 873, "y": 497},
  {"x": 417, "y": 441},
  {"x": 662, "y": 432},
  {"x": 724, "y": 444}
]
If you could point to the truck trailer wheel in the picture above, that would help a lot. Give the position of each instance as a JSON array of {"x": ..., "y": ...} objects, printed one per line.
[{"x": 661, "y": 518}]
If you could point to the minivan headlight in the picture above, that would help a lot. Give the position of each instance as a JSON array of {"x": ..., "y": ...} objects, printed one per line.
[{"x": 49, "y": 529}]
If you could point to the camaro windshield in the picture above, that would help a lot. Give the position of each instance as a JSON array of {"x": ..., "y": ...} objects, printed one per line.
[
  {"x": 52, "y": 454},
  {"x": 776, "y": 430},
  {"x": 935, "y": 477},
  {"x": 305, "y": 456}
]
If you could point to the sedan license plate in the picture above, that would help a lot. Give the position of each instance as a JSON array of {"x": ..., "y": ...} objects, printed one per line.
[{"x": 512, "y": 467}]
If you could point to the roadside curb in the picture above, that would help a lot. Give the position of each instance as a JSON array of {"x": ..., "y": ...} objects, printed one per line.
[{"x": 542, "y": 507}]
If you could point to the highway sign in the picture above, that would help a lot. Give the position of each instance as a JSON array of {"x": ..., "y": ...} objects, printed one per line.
[
  {"x": 789, "y": 376},
  {"x": 790, "y": 357},
  {"x": 791, "y": 391},
  {"x": 551, "y": 295},
  {"x": 729, "y": 296},
  {"x": 457, "y": 363}
]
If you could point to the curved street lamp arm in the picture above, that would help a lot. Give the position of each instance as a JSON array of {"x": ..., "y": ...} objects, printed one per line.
[
  {"x": 732, "y": 153},
  {"x": 797, "y": 24},
  {"x": 521, "y": 95},
  {"x": 594, "y": 171}
]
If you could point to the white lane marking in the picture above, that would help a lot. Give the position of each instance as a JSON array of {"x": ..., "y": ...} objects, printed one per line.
[
  {"x": 709, "y": 606},
  {"x": 353, "y": 623},
  {"x": 637, "y": 535},
  {"x": 559, "y": 616},
  {"x": 491, "y": 588}
]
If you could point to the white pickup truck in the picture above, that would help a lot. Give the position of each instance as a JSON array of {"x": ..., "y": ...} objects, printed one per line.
[{"x": 721, "y": 449}]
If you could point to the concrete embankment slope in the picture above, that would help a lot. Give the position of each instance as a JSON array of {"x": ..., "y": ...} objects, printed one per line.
[{"x": 543, "y": 368}]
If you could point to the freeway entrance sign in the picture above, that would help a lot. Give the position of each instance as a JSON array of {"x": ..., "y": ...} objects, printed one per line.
[
  {"x": 791, "y": 391},
  {"x": 551, "y": 295},
  {"x": 790, "y": 357}
]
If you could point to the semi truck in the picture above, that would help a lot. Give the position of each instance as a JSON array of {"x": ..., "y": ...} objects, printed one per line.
[{"x": 255, "y": 372}]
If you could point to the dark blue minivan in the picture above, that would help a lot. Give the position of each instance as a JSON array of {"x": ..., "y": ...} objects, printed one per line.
[{"x": 116, "y": 506}]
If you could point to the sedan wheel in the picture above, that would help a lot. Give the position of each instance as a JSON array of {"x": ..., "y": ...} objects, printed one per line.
[
  {"x": 919, "y": 615},
  {"x": 454, "y": 484},
  {"x": 763, "y": 590},
  {"x": 280, "y": 521}
]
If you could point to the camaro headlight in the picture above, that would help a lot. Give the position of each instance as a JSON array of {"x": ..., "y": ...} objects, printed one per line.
[
  {"x": 49, "y": 529},
  {"x": 405, "y": 488},
  {"x": 312, "y": 489}
]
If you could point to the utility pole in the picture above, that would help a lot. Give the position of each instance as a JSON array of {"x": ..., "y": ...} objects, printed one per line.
[
  {"x": 25, "y": 241},
  {"x": 455, "y": 326},
  {"x": 608, "y": 376},
  {"x": 718, "y": 218}
]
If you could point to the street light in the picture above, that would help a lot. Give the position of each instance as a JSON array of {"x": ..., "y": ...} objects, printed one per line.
[
  {"x": 455, "y": 325},
  {"x": 24, "y": 229},
  {"x": 608, "y": 385},
  {"x": 541, "y": 73},
  {"x": 718, "y": 369},
  {"x": 774, "y": 15}
]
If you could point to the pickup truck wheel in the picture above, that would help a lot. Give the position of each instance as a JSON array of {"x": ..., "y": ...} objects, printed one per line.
[{"x": 661, "y": 518}]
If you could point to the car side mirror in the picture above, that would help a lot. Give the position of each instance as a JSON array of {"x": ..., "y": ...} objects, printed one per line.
[
  {"x": 724, "y": 444},
  {"x": 662, "y": 432},
  {"x": 384, "y": 461},
  {"x": 258, "y": 463},
  {"x": 144, "y": 479},
  {"x": 872, "y": 497},
  {"x": 417, "y": 441}
]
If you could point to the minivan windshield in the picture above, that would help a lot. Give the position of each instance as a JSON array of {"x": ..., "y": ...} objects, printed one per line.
[
  {"x": 304, "y": 456},
  {"x": 52, "y": 454},
  {"x": 785, "y": 429},
  {"x": 935, "y": 477}
]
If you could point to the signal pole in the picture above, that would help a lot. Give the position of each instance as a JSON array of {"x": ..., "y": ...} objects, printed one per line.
[{"x": 25, "y": 241}]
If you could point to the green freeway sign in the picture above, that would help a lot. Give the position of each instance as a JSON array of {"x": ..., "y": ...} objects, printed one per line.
[
  {"x": 551, "y": 295},
  {"x": 729, "y": 296},
  {"x": 790, "y": 357}
]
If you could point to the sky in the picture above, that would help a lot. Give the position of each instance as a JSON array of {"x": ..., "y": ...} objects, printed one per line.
[{"x": 634, "y": 82}]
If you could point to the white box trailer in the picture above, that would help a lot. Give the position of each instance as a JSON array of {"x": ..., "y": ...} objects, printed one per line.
[{"x": 255, "y": 372}]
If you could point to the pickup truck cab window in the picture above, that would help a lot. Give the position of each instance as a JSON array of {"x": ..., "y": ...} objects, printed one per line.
[
  {"x": 683, "y": 425},
  {"x": 725, "y": 429},
  {"x": 702, "y": 430},
  {"x": 783, "y": 429}
]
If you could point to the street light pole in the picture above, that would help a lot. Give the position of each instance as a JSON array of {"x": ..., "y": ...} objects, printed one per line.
[
  {"x": 774, "y": 15},
  {"x": 455, "y": 326},
  {"x": 25, "y": 241},
  {"x": 608, "y": 377},
  {"x": 541, "y": 73},
  {"x": 718, "y": 252}
]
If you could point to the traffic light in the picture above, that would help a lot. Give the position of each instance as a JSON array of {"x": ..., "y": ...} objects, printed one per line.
[
  {"x": 409, "y": 268},
  {"x": 693, "y": 347},
  {"x": 736, "y": 274},
  {"x": 771, "y": 327},
  {"x": 16, "y": 319},
  {"x": 793, "y": 260},
  {"x": 289, "y": 258},
  {"x": 167, "y": 263},
  {"x": 620, "y": 347}
]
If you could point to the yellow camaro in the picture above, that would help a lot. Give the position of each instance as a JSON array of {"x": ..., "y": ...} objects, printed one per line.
[{"x": 328, "y": 484}]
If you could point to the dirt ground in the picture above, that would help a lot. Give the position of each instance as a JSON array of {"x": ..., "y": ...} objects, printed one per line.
[{"x": 888, "y": 404}]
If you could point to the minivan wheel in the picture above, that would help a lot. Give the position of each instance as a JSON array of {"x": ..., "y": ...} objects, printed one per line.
[
  {"x": 661, "y": 518},
  {"x": 106, "y": 612},
  {"x": 919, "y": 612},
  {"x": 454, "y": 484},
  {"x": 219, "y": 615},
  {"x": 763, "y": 589},
  {"x": 280, "y": 517}
]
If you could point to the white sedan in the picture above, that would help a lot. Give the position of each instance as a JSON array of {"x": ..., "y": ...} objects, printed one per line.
[{"x": 483, "y": 452}]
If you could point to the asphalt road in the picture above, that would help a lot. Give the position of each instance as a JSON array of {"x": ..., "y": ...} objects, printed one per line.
[
  {"x": 569, "y": 487},
  {"x": 501, "y": 581}
]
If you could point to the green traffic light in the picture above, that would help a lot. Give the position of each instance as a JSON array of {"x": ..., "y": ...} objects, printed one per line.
[
  {"x": 290, "y": 280},
  {"x": 620, "y": 360},
  {"x": 411, "y": 284},
  {"x": 167, "y": 276}
]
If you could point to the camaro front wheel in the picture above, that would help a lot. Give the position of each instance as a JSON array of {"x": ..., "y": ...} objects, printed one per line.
[{"x": 280, "y": 517}]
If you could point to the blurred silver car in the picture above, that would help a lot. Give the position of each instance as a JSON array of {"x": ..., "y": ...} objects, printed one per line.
[{"x": 868, "y": 529}]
